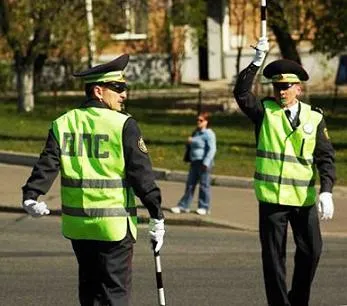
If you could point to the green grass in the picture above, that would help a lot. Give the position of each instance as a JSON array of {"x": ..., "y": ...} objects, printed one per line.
[{"x": 165, "y": 132}]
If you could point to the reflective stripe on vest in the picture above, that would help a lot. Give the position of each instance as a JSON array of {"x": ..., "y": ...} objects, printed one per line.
[
  {"x": 99, "y": 212},
  {"x": 90, "y": 183},
  {"x": 97, "y": 201},
  {"x": 287, "y": 158},
  {"x": 283, "y": 181},
  {"x": 285, "y": 173}
]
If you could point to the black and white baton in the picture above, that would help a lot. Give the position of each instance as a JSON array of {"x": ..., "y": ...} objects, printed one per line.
[
  {"x": 161, "y": 295},
  {"x": 263, "y": 18},
  {"x": 263, "y": 31}
]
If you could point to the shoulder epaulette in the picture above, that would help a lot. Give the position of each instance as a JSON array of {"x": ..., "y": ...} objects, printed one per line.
[{"x": 317, "y": 109}]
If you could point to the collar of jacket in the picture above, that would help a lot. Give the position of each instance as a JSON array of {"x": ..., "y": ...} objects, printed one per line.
[{"x": 92, "y": 103}]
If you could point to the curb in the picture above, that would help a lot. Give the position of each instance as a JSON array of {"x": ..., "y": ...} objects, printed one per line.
[
  {"x": 14, "y": 158},
  {"x": 24, "y": 159}
]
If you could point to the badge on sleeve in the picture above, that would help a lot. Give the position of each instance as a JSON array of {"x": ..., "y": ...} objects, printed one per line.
[
  {"x": 141, "y": 145},
  {"x": 325, "y": 131}
]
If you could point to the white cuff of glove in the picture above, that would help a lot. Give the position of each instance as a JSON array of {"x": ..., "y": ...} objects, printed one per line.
[
  {"x": 326, "y": 205},
  {"x": 35, "y": 209},
  {"x": 156, "y": 232},
  {"x": 261, "y": 49}
]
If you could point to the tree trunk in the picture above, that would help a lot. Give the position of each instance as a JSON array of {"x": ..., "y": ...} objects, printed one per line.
[
  {"x": 279, "y": 26},
  {"x": 286, "y": 44},
  {"x": 177, "y": 52},
  {"x": 238, "y": 60},
  {"x": 38, "y": 68},
  {"x": 25, "y": 86}
]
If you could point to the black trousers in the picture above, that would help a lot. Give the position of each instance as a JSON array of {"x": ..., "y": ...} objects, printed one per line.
[
  {"x": 273, "y": 226},
  {"x": 105, "y": 271}
]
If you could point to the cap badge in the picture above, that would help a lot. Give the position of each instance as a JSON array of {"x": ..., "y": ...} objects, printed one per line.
[{"x": 285, "y": 78}]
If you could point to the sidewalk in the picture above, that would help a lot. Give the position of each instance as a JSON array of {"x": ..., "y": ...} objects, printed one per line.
[{"x": 233, "y": 201}]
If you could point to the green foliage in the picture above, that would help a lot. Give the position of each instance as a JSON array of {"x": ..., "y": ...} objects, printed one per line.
[
  {"x": 103, "y": 10},
  {"x": 165, "y": 133},
  {"x": 109, "y": 15},
  {"x": 69, "y": 32},
  {"x": 299, "y": 17},
  {"x": 26, "y": 25},
  {"x": 192, "y": 13},
  {"x": 331, "y": 35},
  {"x": 326, "y": 19},
  {"x": 57, "y": 28},
  {"x": 279, "y": 24}
]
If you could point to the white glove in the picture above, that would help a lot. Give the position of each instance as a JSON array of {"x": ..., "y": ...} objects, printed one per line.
[
  {"x": 156, "y": 232},
  {"x": 35, "y": 209},
  {"x": 260, "y": 51},
  {"x": 326, "y": 205}
]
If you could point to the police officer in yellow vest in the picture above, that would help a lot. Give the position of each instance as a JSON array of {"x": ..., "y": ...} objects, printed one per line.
[
  {"x": 104, "y": 163},
  {"x": 292, "y": 143}
]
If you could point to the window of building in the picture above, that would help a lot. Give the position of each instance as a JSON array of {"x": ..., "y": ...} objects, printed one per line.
[{"x": 134, "y": 20}]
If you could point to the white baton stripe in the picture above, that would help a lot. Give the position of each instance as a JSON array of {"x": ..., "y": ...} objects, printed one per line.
[
  {"x": 263, "y": 3},
  {"x": 263, "y": 28},
  {"x": 158, "y": 264},
  {"x": 161, "y": 296}
]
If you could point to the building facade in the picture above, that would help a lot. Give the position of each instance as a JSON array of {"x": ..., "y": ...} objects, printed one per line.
[{"x": 231, "y": 27}]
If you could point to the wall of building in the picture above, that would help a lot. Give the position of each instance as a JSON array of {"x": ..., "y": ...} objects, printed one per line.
[{"x": 152, "y": 69}]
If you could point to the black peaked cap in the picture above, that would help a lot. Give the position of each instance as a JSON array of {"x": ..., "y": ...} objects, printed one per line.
[
  {"x": 285, "y": 66},
  {"x": 117, "y": 64}
]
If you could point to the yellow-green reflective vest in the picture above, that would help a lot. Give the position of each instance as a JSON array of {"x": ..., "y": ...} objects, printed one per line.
[
  {"x": 285, "y": 173},
  {"x": 97, "y": 202}
]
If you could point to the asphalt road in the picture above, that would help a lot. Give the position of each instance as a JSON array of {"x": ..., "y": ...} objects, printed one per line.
[{"x": 201, "y": 266}]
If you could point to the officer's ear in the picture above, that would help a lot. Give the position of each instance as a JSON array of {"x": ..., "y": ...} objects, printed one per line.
[
  {"x": 98, "y": 92},
  {"x": 298, "y": 89}
]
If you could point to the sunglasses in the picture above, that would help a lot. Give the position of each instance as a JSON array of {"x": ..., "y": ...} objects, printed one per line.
[
  {"x": 282, "y": 86},
  {"x": 118, "y": 87}
]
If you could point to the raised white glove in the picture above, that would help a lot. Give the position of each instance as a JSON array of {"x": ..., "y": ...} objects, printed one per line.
[
  {"x": 35, "y": 209},
  {"x": 261, "y": 49},
  {"x": 156, "y": 232},
  {"x": 326, "y": 205}
]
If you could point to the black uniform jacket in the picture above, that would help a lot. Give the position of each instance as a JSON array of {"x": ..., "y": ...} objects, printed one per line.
[
  {"x": 138, "y": 167},
  {"x": 324, "y": 154}
]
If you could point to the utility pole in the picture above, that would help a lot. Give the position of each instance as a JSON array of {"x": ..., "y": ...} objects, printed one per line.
[{"x": 91, "y": 33}]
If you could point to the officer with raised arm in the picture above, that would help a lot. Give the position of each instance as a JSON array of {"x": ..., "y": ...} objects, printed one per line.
[
  {"x": 104, "y": 163},
  {"x": 292, "y": 143}
]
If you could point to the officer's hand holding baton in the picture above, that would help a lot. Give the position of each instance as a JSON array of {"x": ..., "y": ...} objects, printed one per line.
[
  {"x": 35, "y": 209},
  {"x": 262, "y": 46},
  {"x": 157, "y": 231},
  {"x": 261, "y": 49}
]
